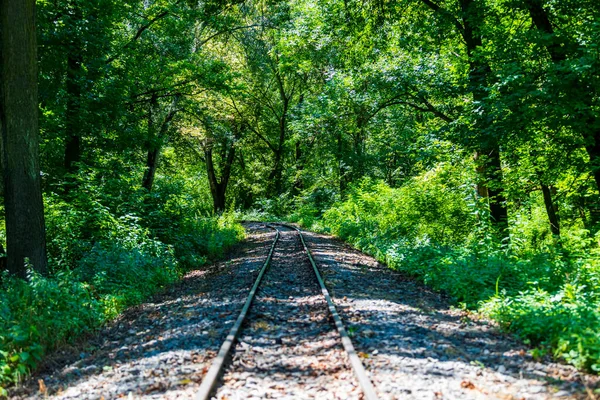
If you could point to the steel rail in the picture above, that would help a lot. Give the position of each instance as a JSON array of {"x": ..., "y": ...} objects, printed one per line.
[
  {"x": 210, "y": 379},
  {"x": 357, "y": 366},
  {"x": 212, "y": 375}
]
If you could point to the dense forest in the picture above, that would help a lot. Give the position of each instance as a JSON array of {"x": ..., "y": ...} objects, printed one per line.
[{"x": 456, "y": 140}]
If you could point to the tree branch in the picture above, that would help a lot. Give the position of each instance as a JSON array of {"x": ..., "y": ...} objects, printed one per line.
[
  {"x": 139, "y": 32},
  {"x": 435, "y": 7}
]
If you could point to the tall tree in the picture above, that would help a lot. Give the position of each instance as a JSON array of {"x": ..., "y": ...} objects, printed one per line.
[
  {"x": 469, "y": 25},
  {"x": 25, "y": 227}
]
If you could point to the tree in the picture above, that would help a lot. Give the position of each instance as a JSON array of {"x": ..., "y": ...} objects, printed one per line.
[
  {"x": 470, "y": 26},
  {"x": 156, "y": 139},
  {"x": 274, "y": 88},
  {"x": 25, "y": 227},
  {"x": 218, "y": 186}
]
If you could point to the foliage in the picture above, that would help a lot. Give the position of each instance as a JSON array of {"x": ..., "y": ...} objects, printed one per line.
[
  {"x": 433, "y": 229},
  {"x": 411, "y": 129},
  {"x": 565, "y": 323},
  {"x": 107, "y": 252}
]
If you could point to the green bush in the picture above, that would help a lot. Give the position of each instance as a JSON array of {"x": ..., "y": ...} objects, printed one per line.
[
  {"x": 176, "y": 213},
  {"x": 39, "y": 314},
  {"x": 566, "y": 322},
  {"x": 434, "y": 229},
  {"x": 110, "y": 246}
]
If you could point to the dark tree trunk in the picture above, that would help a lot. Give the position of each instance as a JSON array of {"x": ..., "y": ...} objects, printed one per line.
[
  {"x": 151, "y": 166},
  {"x": 155, "y": 142},
  {"x": 276, "y": 175},
  {"x": 359, "y": 137},
  {"x": 74, "y": 91},
  {"x": 340, "y": 161},
  {"x": 540, "y": 19},
  {"x": 72, "y": 121},
  {"x": 298, "y": 183},
  {"x": 218, "y": 188},
  {"x": 25, "y": 227},
  {"x": 593, "y": 151},
  {"x": 551, "y": 210},
  {"x": 498, "y": 210}
]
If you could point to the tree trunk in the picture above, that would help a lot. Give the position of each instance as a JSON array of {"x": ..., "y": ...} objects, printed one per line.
[
  {"x": 358, "y": 137},
  {"x": 218, "y": 188},
  {"x": 298, "y": 183},
  {"x": 72, "y": 121},
  {"x": 551, "y": 210},
  {"x": 490, "y": 169},
  {"x": 340, "y": 161},
  {"x": 498, "y": 210},
  {"x": 25, "y": 227},
  {"x": 593, "y": 151},
  {"x": 74, "y": 91},
  {"x": 151, "y": 165},
  {"x": 155, "y": 142},
  {"x": 276, "y": 175}
]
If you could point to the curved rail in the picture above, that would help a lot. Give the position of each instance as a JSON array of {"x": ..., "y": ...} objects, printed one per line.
[
  {"x": 357, "y": 366},
  {"x": 211, "y": 377}
]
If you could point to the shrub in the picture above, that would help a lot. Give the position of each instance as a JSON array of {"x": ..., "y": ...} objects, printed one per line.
[
  {"x": 109, "y": 248},
  {"x": 433, "y": 228}
]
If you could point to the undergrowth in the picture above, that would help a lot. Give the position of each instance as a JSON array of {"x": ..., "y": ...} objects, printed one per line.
[
  {"x": 545, "y": 290},
  {"x": 108, "y": 250}
]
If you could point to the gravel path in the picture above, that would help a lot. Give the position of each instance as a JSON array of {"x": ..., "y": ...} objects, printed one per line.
[
  {"x": 416, "y": 347},
  {"x": 161, "y": 349},
  {"x": 289, "y": 346}
]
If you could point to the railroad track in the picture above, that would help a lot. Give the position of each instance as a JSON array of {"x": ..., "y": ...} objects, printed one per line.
[{"x": 271, "y": 291}]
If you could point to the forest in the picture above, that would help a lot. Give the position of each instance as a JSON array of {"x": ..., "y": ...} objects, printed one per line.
[{"x": 458, "y": 141}]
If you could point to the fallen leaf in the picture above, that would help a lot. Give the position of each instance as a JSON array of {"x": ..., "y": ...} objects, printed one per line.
[
  {"x": 467, "y": 385},
  {"x": 43, "y": 388}
]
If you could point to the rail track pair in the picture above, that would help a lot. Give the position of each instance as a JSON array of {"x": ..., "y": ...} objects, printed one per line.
[{"x": 211, "y": 379}]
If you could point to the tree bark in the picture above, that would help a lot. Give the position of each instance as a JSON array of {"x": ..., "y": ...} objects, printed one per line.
[
  {"x": 218, "y": 187},
  {"x": 489, "y": 168},
  {"x": 72, "y": 121},
  {"x": 358, "y": 137},
  {"x": 74, "y": 91},
  {"x": 551, "y": 210},
  {"x": 25, "y": 226},
  {"x": 276, "y": 175},
  {"x": 341, "y": 164},
  {"x": 298, "y": 182},
  {"x": 155, "y": 142}
]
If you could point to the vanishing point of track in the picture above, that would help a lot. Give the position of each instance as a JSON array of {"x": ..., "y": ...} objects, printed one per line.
[{"x": 211, "y": 379}]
